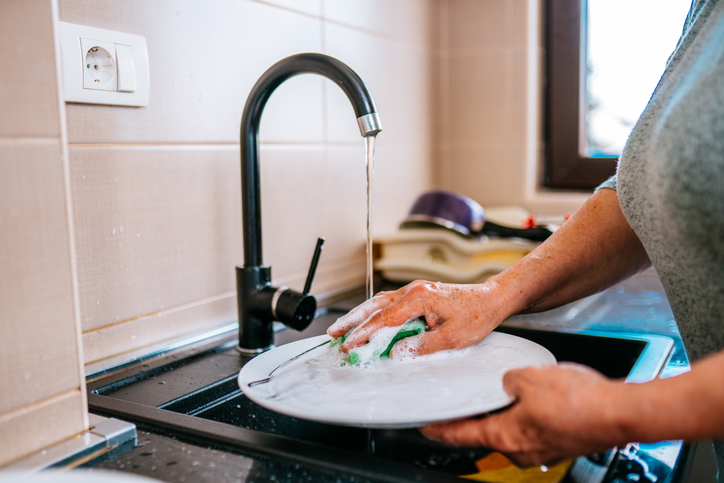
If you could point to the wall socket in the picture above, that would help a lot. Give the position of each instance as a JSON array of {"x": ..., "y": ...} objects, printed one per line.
[{"x": 103, "y": 66}]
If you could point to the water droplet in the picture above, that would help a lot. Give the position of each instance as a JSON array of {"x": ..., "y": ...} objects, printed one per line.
[
  {"x": 138, "y": 235},
  {"x": 121, "y": 229},
  {"x": 114, "y": 232},
  {"x": 82, "y": 177},
  {"x": 98, "y": 302}
]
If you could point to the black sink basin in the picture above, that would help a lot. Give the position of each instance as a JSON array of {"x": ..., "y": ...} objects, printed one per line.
[{"x": 634, "y": 357}]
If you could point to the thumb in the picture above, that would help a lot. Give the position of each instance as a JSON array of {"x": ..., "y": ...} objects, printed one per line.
[
  {"x": 512, "y": 381},
  {"x": 409, "y": 347},
  {"x": 426, "y": 343}
]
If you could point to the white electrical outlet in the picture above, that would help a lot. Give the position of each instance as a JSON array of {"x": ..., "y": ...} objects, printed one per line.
[
  {"x": 103, "y": 66},
  {"x": 99, "y": 65}
]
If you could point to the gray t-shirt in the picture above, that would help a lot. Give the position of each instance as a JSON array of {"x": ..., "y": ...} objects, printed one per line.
[{"x": 670, "y": 182}]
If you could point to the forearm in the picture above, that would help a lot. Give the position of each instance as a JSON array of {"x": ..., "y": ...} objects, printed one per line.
[
  {"x": 592, "y": 251},
  {"x": 688, "y": 406}
]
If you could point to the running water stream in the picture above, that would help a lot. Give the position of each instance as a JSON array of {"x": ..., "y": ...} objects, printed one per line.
[{"x": 370, "y": 164}]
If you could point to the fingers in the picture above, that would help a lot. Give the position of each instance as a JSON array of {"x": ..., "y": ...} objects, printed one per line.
[
  {"x": 444, "y": 337},
  {"x": 392, "y": 315},
  {"x": 470, "y": 432},
  {"x": 365, "y": 310},
  {"x": 356, "y": 316},
  {"x": 410, "y": 347}
]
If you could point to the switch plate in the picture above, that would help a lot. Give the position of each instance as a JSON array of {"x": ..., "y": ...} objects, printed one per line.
[{"x": 103, "y": 66}]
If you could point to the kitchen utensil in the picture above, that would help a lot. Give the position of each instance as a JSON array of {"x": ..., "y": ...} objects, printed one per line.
[
  {"x": 390, "y": 393},
  {"x": 268, "y": 378}
]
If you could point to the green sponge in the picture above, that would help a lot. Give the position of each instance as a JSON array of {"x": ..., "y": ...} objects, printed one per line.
[{"x": 381, "y": 343}]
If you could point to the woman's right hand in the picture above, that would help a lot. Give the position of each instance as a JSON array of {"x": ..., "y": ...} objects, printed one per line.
[{"x": 458, "y": 316}]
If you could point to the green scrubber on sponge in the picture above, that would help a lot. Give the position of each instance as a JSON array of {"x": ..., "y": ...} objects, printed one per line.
[{"x": 381, "y": 343}]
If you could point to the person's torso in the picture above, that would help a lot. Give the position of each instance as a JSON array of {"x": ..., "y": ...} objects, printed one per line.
[{"x": 671, "y": 182}]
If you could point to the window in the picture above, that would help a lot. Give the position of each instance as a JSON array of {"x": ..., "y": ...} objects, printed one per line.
[{"x": 590, "y": 111}]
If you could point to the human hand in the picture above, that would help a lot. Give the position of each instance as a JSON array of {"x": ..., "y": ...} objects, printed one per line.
[
  {"x": 561, "y": 411},
  {"x": 458, "y": 316}
]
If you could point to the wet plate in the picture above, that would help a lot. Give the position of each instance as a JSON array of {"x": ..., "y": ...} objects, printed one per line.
[{"x": 389, "y": 393}]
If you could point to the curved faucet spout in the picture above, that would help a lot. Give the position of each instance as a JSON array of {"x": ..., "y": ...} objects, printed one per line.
[
  {"x": 324, "y": 65},
  {"x": 254, "y": 279}
]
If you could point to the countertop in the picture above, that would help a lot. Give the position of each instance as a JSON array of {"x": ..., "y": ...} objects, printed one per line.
[{"x": 637, "y": 305}]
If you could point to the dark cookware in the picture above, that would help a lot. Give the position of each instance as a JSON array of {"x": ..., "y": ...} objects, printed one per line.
[{"x": 462, "y": 215}]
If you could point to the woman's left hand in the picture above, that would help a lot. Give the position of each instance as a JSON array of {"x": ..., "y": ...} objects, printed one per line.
[{"x": 561, "y": 411}]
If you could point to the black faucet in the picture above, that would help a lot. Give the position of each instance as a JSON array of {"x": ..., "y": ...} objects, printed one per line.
[{"x": 258, "y": 301}]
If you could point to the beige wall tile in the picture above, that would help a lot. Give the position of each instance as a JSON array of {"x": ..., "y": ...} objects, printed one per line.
[
  {"x": 204, "y": 59},
  {"x": 156, "y": 227},
  {"x": 398, "y": 78},
  {"x": 517, "y": 32},
  {"x": 28, "y": 89},
  {"x": 346, "y": 196},
  {"x": 491, "y": 176},
  {"x": 159, "y": 227},
  {"x": 40, "y": 425},
  {"x": 39, "y": 346},
  {"x": 294, "y": 207},
  {"x": 402, "y": 173},
  {"x": 477, "y": 25},
  {"x": 480, "y": 99},
  {"x": 409, "y": 20},
  {"x": 196, "y": 317}
]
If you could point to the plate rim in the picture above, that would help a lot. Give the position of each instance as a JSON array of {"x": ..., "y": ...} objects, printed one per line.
[{"x": 307, "y": 343}]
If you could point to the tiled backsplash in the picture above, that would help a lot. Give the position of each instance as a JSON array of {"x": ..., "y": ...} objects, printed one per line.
[{"x": 156, "y": 190}]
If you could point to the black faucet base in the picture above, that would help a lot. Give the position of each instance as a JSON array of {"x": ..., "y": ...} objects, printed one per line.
[{"x": 256, "y": 334}]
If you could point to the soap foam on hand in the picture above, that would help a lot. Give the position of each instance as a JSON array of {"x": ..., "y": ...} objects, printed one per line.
[{"x": 381, "y": 342}]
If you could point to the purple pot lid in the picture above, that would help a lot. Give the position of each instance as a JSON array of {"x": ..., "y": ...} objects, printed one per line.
[{"x": 451, "y": 210}]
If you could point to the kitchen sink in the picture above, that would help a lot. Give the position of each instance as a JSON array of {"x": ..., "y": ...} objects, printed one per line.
[{"x": 194, "y": 394}]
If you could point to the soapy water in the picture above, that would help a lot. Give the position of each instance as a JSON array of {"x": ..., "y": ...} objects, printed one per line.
[
  {"x": 381, "y": 339},
  {"x": 444, "y": 385}
]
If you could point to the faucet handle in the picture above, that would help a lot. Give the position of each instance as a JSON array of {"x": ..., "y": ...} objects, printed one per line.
[
  {"x": 313, "y": 266},
  {"x": 294, "y": 309}
]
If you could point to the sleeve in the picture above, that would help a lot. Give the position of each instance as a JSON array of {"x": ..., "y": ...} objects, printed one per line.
[{"x": 610, "y": 183}]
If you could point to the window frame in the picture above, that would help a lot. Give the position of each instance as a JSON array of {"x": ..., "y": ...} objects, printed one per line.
[{"x": 564, "y": 165}]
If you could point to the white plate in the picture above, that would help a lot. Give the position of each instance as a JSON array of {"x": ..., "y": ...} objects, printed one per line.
[{"x": 389, "y": 394}]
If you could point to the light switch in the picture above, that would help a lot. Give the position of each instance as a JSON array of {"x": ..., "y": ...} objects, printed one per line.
[{"x": 126, "y": 69}]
